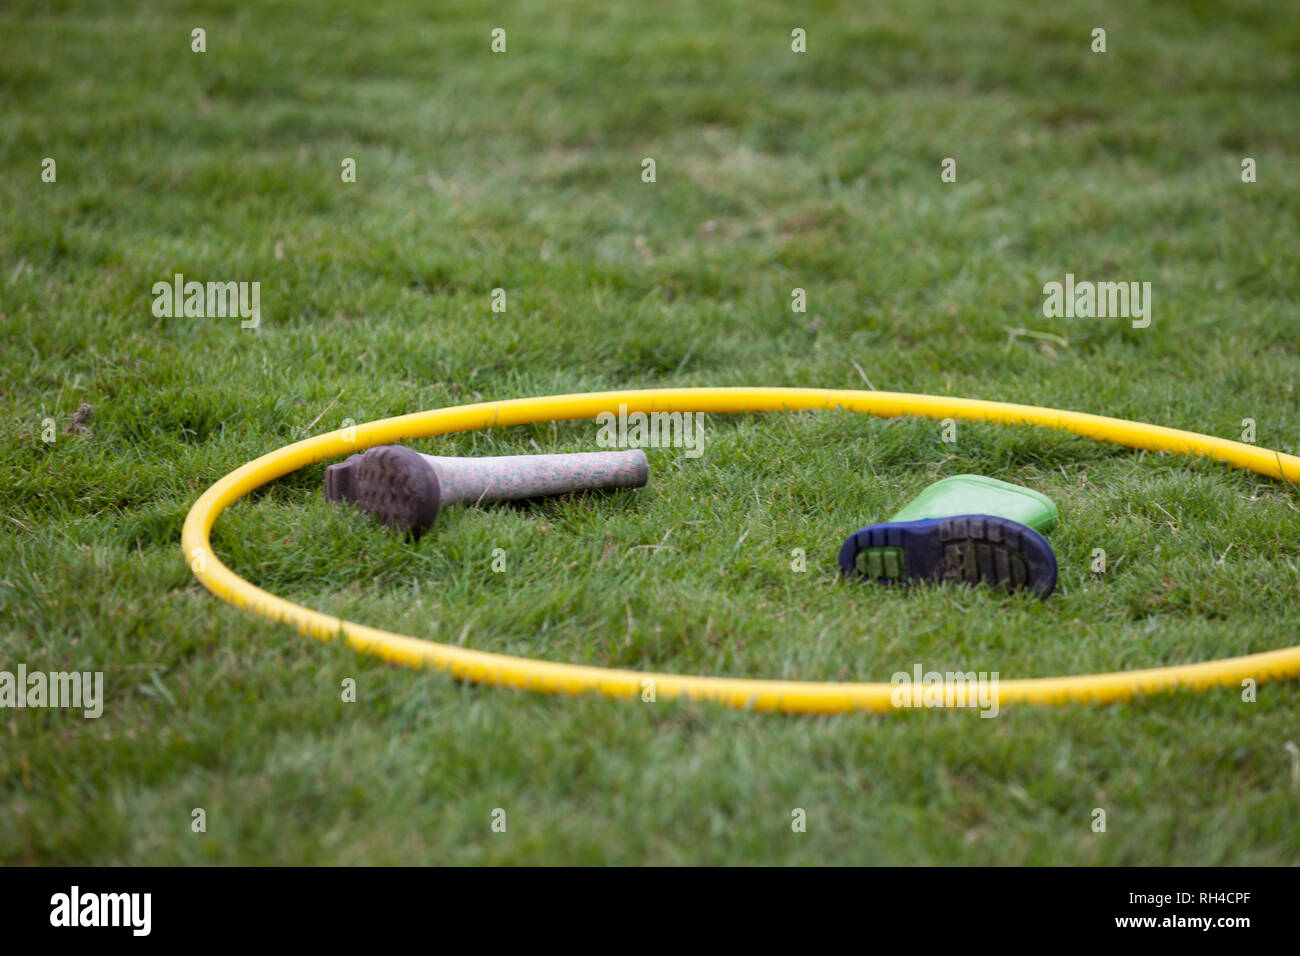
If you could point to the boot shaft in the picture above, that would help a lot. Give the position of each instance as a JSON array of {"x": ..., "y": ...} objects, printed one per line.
[{"x": 978, "y": 494}]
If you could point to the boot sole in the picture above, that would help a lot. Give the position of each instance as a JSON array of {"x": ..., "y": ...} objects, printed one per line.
[
  {"x": 973, "y": 549},
  {"x": 393, "y": 483}
]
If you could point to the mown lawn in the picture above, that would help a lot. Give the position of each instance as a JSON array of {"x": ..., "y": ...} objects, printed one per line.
[{"x": 522, "y": 171}]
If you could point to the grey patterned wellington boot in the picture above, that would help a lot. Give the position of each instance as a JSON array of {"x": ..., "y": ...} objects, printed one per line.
[{"x": 406, "y": 489}]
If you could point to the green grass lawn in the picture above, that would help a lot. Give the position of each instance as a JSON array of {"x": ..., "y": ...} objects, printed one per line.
[{"x": 522, "y": 170}]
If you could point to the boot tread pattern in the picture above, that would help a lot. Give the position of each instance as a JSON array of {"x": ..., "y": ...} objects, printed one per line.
[
  {"x": 394, "y": 488},
  {"x": 980, "y": 552}
]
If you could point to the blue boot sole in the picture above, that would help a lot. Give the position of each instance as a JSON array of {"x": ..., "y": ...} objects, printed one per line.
[{"x": 974, "y": 549}]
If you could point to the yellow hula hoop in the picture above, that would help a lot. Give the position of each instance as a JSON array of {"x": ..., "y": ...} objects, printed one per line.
[{"x": 787, "y": 696}]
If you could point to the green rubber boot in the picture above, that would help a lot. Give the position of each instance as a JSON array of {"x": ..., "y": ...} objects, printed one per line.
[
  {"x": 979, "y": 495},
  {"x": 965, "y": 528}
]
